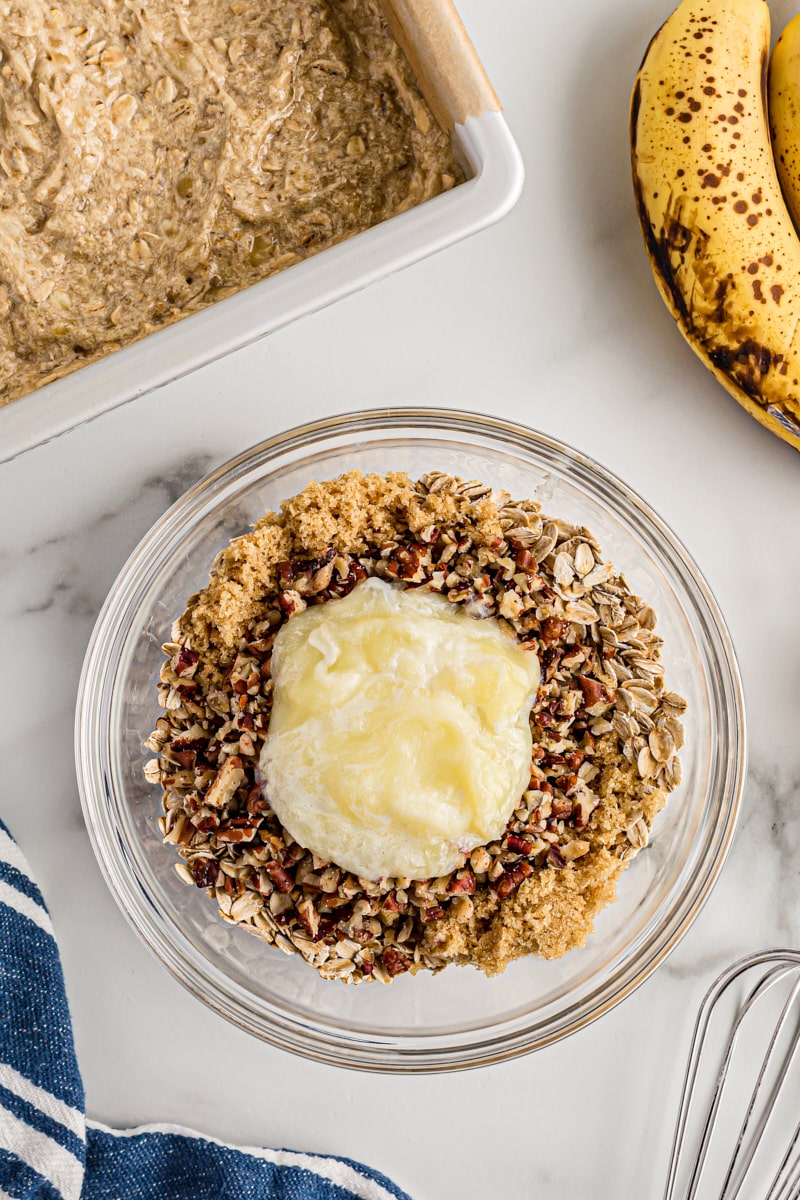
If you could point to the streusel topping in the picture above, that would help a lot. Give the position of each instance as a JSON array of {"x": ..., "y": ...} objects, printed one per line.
[{"x": 605, "y": 730}]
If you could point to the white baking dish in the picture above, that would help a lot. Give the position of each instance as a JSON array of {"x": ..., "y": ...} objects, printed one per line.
[{"x": 457, "y": 89}]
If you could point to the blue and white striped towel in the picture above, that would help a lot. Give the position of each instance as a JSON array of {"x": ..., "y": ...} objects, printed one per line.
[{"x": 48, "y": 1149}]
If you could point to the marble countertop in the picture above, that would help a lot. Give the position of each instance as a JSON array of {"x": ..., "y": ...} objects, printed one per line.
[{"x": 551, "y": 319}]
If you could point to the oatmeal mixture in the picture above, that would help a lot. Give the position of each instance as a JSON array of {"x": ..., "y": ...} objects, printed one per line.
[
  {"x": 157, "y": 155},
  {"x": 605, "y": 731}
]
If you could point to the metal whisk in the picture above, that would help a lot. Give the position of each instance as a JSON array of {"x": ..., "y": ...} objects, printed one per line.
[{"x": 742, "y": 1087}]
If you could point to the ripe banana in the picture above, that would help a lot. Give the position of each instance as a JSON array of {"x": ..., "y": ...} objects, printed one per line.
[
  {"x": 720, "y": 240},
  {"x": 784, "y": 113}
]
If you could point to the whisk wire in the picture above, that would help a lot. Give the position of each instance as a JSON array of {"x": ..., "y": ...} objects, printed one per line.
[
  {"x": 777, "y": 965},
  {"x": 789, "y": 1189},
  {"x": 758, "y": 1133}
]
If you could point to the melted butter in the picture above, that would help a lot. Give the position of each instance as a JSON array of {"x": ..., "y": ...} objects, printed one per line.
[{"x": 399, "y": 735}]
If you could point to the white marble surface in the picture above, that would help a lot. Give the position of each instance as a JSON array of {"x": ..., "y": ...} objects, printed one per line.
[{"x": 551, "y": 319}]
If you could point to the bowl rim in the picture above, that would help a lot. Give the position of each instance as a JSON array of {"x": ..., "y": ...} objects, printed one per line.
[{"x": 407, "y": 1053}]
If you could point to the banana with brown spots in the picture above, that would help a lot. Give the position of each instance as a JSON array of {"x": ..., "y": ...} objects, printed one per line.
[
  {"x": 720, "y": 241},
  {"x": 784, "y": 113}
]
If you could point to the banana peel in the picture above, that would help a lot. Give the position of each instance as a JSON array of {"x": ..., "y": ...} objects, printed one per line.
[{"x": 784, "y": 113}]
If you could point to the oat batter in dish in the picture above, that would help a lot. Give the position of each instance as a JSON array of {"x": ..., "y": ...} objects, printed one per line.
[
  {"x": 605, "y": 731},
  {"x": 156, "y": 155}
]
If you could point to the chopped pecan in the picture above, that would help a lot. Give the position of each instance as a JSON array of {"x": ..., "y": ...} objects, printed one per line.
[
  {"x": 238, "y": 829},
  {"x": 206, "y": 823},
  {"x": 461, "y": 907},
  {"x": 309, "y": 917},
  {"x": 394, "y": 962},
  {"x": 480, "y": 860},
  {"x": 550, "y": 662},
  {"x": 575, "y": 849},
  {"x": 560, "y": 807},
  {"x": 553, "y": 628},
  {"x": 187, "y": 743},
  {"x": 205, "y": 871},
  {"x": 343, "y": 584},
  {"x": 320, "y": 580},
  {"x": 282, "y": 880},
  {"x": 363, "y": 936},
  {"x": 573, "y": 656},
  {"x": 291, "y": 602},
  {"x": 285, "y": 573},
  {"x": 273, "y": 843},
  {"x": 462, "y": 883},
  {"x": 519, "y": 844},
  {"x": 555, "y": 858},
  {"x": 289, "y": 571},
  {"x": 332, "y": 902},
  {"x": 255, "y": 801},
  {"x": 329, "y": 879},
  {"x": 185, "y": 662},
  {"x": 406, "y": 563},
  {"x": 185, "y": 758},
  {"x": 510, "y": 880},
  {"x": 584, "y": 805},
  {"x": 596, "y": 698},
  {"x": 525, "y": 561},
  {"x": 229, "y": 777},
  {"x": 292, "y": 855},
  {"x": 511, "y": 605}
]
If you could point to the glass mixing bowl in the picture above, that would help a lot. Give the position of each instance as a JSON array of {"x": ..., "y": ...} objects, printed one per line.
[{"x": 459, "y": 1018}]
